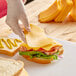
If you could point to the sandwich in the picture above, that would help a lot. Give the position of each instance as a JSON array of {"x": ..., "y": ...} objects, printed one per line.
[
  {"x": 10, "y": 67},
  {"x": 9, "y": 46},
  {"x": 39, "y": 47}
]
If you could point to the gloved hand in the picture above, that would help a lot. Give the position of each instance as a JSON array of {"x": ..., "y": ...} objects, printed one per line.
[{"x": 16, "y": 12}]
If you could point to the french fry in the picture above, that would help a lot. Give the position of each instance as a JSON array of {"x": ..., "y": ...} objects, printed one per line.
[
  {"x": 73, "y": 11},
  {"x": 66, "y": 6},
  {"x": 50, "y": 13}
]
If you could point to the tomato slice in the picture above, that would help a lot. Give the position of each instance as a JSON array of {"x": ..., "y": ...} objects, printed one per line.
[{"x": 41, "y": 49}]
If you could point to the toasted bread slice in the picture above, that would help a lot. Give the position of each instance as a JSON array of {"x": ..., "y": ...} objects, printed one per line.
[
  {"x": 41, "y": 60},
  {"x": 11, "y": 49},
  {"x": 10, "y": 67}
]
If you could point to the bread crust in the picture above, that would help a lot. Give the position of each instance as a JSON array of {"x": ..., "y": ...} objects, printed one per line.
[
  {"x": 18, "y": 73},
  {"x": 23, "y": 73},
  {"x": 6, "y": 52},
  {"x": 38, "y": 60},
  {"x": 41, "y": 60}
]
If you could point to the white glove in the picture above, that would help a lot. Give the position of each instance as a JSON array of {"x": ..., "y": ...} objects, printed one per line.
[{"x": 16, "y": 12}]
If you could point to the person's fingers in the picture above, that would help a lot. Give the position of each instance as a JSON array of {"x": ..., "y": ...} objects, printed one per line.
[
  {"x": 25, "y": 22},
  {"x": 16, "y": 29},
  {"x": 19, "y": 32}
]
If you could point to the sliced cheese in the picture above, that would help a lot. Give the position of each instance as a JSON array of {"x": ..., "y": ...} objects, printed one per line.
[
  {"x": 47, "y": 47},
  {"x": 37, "y": 39}
]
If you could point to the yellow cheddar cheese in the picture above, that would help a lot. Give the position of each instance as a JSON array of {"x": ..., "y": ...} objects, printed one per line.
[{"x": 37, "y": 39}]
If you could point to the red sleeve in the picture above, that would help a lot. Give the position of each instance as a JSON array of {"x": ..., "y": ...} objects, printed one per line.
[{"x": 3, "y": 8}]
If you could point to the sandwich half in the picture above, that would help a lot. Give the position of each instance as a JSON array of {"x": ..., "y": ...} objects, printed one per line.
[{"x": 39, "y": 47}]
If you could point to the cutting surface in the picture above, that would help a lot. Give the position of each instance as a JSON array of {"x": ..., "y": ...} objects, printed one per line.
[{"x": 64, "y": 31}]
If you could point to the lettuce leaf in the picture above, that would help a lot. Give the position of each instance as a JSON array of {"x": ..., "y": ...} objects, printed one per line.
[{"x": 38, "y": 54}]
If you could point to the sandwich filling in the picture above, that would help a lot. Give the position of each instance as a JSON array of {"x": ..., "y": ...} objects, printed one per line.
[{"x": 41, "y": 53}]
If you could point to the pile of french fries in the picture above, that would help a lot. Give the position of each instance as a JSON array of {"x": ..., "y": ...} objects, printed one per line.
[{"x": 59, "y": 11}]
